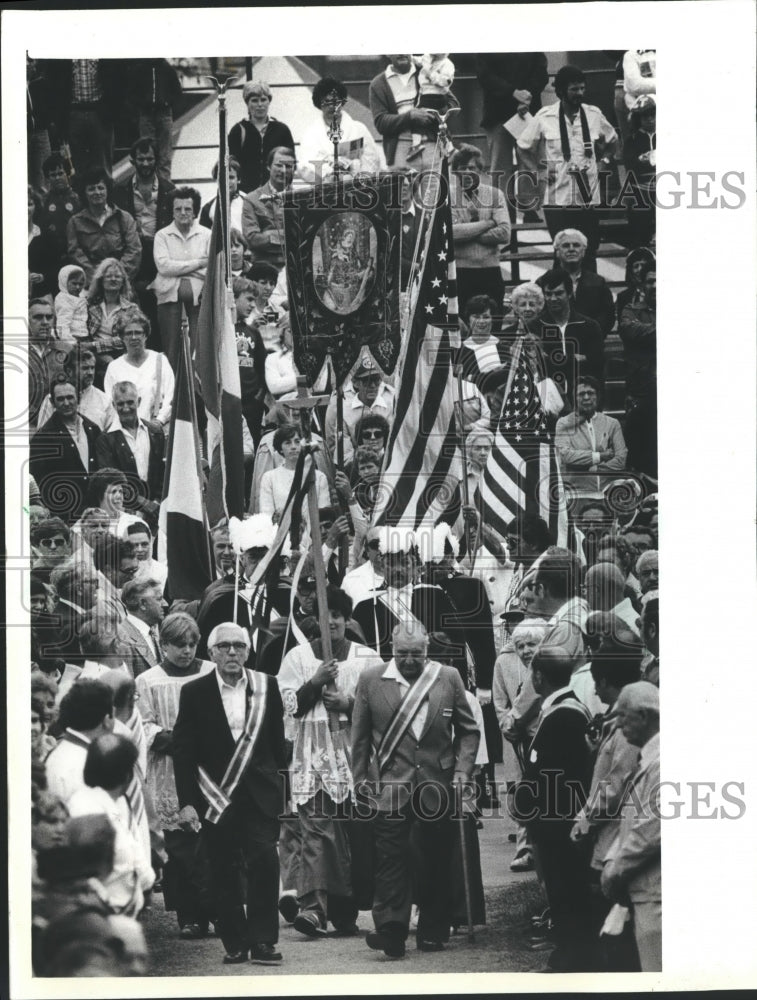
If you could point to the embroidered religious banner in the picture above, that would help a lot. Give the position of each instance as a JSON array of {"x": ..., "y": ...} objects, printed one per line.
[{"x": 343, "y": 273}]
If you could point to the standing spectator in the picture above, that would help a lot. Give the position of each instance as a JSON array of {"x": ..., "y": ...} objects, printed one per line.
[
  {"x": 358, "y": 152},
  {"x": 185, "y": 877},
  {"x": 60, "y": 202},
  {"x": 640, "y": 157},
  {"x": 393, "y": 95},
  {"x": 148, "y": 370},
  {"x": 236, "y": 199},
  {"x": 71, "y": 304},
  {"x": 137, "y": 633},
  {"x": 110, "y": 294},
  {"x": 147, "y": 197},
  {"x": 371, "y": 394},
  {"x": 42, "y": 257},
  {"x": 436, "y": 74},
  {"x": 511, "y": 83},
  {"x": 482, "y": 351},
  {"x": 87, "y": 94},
  {"x": 51, "y": 547},
  {"x": 633, "y": 869},
  {"x": 572, "y": 341},
  {"x": 480, "y": 227},
  {"x": 47, "y": 355},
  {"x": 276, "y": 483},
  {"x": 86, "y": 712},
  {"x": 40, "y": 122},
  {"x": 590, "y": 444},
  {"x": 63, "y": 453},
  {"x": 566, "y": 144},
  {"x": 252, "y": 357},
  {"x": 639, "y": 74},
  {"x": 181, "y": 259},
  {"x": 252, "y": 139},
  {"x": 263, "y": 209},
  {"x": 634, "y": 276},
  {"x": 93, "y": 402},
  {"x": 101, "y": 229},
  {"x": 638, "y": 331},
  {"x": 591, "y": 293},
  {"x": 153, "y": 90}
]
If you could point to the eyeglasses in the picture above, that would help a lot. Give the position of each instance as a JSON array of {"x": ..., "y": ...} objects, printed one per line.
[
  {"x": 225, "y": 647},
  {"x": 372, "y": 435},
  {"x": 49, "y": 543}
]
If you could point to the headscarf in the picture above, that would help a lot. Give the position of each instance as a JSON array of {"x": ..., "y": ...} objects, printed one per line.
[{"x": 65, "y": 273}]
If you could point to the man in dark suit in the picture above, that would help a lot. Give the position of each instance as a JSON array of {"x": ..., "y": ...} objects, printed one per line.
[
  {"x": 137, "y": 450},
  {"x": 63, "y": 453},
  {"x": 229, "y": 758},
  {"x": 555, "y": 784},
  {"x": 400, "y": 599},
  {"x": 414, "y": 743}
]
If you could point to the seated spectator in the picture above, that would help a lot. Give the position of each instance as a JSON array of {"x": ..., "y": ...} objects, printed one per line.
[
  {"x": 79, "y": 366},
  {"x": 101, "y": 230},
  {"x": 59, "y": 203},
  {"x": 43, "y": 258},
  {"x": 591, "y": 294},
  {"x": 370, "y": 394},
  {"x": 252, "y": 139},
  {"x": 638, "y": 331},
  {"x": 181, "y": 258},
  {"x": 236, "y": 198},
  {"x": 358, "y": 152},
  {"x": 480, "y": 228},
  {"x": 482, "y": 351},
  {"x": 108, "y": 772},
  {"x": 589, "y": 444},
  {"x": 275, "y": 484},
  {"x": 110, "y": 293},
  {"x": 263, "y": 211},
  {"x": 71, "y": 303},
  {"x": 62, "y": 453},
  {"x": 572, "y": 342},
  {"x": 149, "y": 371}
]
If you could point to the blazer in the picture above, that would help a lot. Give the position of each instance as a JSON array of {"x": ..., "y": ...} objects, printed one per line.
[
  {"x": 134, "y": 649},
  {"x": 56, "y": 465},
  {"x": 574, "y": 447},
  {"x": 447, "y": 746},
  {"x": 201, "y": 736},
  {"x": 113, "y": 452}
]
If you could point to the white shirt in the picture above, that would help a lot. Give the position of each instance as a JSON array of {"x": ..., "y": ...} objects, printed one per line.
[
  {"x": 392, "y": 672},
  {"x": 402, "y": 87},
  {"x": 361, "y": 582},
  {"x": 357, "y": 146},
  {"x": 144, "y": 629},
  {"x": 139, "y": 445},
  {"x": 65, "y": 767},
  {"x": 234, "y": 698},
  {"x": 155, "y": 398},
  {"x": 93, "y": 404},
  {"x": 178, "y": 256}
]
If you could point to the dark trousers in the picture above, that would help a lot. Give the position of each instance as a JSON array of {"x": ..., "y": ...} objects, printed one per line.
[
  {"x": 585, "y": 219},
  {"x": 412, "y": 856},
  {"x": 186, "y": 886},
  {"x": 564, "y": 867},
  {"x": 244, "y": 868},
  {"x": 169, "y": 321}
]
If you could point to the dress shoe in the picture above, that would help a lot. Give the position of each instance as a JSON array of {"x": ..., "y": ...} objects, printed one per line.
[
  {"x": 392, "y": 947},
  {"x": 289, "y": 908},
  {"x": 429, "y": 945},
  {"x": 235, "y": 958},
  {"x": 265, "y": 954},
  {"x": 309, "y": 925},
  {"x": 346, "y": 930},
  {"x": 191, "y": 932}
]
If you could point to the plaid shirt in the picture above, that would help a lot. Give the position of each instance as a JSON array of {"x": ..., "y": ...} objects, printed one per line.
[{"x": 86, "y": 87}]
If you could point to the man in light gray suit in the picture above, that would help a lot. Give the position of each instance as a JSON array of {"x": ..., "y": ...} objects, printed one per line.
[
  {"x": 414, "y": 742},
  {"x": 632, "y": 874},
  {"x": 137, "y": 633}
]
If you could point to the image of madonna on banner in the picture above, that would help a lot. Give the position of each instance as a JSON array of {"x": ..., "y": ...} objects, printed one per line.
[{"x": 343, "y": 273}]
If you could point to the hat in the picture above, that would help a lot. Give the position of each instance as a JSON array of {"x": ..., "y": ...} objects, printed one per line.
[
  {"x": 256, "y": 532},
  {"x": 646, "y": 102},
  {"x": 394, "y": 540},
  {"x": 367, "y": 366},
  {"x": 261, "y": 270}
]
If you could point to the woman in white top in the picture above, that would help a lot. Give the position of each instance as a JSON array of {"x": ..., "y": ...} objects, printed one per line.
[
  {"x": 280, "y": 371},
  {"x": 108, "y": 772},
  {"x": 181, "y": 257},
  {"x": 148, "y": 370},
  {"x": 276, "y": 483},
  {"x": 159, "y": 689},
  {"x": 358, "y": 152}
]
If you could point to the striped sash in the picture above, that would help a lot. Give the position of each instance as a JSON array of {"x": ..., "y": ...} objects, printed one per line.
[
  {"x": 219, "y": 796},
  {"x": 406, "y": 711}
]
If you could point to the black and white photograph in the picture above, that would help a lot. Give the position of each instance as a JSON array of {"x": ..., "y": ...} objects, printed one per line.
[{"x": 338, "y": 480}]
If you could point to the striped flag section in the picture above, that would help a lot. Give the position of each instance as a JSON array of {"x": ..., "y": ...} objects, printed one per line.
[
  {"x": 217, "y": 368},
  {"x": 422, "y": 465},
  {"x": 182, "y": 518},
  {"x": 522, "y": 475}
]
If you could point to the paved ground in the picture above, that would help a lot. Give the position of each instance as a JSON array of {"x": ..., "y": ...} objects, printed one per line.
[{"x": 498, "y": 947}]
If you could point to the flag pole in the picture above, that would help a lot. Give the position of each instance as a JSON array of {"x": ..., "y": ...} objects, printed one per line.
[
  {"x": 222, "y": 204},
  {"x": 187, "y": 358}
]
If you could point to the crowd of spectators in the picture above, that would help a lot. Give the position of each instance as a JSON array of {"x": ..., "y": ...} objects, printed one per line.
[{"x": 115, "y": 271}]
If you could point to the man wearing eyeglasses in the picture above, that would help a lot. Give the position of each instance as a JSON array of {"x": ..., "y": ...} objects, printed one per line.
[
  {"x": 370, "y": 394},
  {"x": 229, "y": 758}
]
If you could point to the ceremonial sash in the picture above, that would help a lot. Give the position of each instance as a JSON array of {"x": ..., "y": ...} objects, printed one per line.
[
  {"x": 219, "y": 796},
  {"x": 399, "y": 609},
  {"x": 406, "y": 711}
]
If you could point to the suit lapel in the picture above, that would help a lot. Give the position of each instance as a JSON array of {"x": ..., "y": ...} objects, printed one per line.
[
  {"x": 434, "y": 704},
  {"x": 391, "y": 692},
  {"x": 214, "y": 707}
]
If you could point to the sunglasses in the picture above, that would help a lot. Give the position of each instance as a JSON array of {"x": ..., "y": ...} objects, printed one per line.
[
  {"x": 50, "y": 543},
  {"x": 372, "y": 435},
  {"x": 225, "y": 647}
]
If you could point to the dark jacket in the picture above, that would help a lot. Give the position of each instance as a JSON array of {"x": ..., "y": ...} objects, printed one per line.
[
  {"x": 638, "y": 331},
  {"x": 151, "y": 84},
  {"x": 201, "y": 737},
  {"x": 246, "y": 146},
  {"x": 123, "y": 197},
  {"x": 55, "y": 463},
  {"x": 593, "y": 298},
  {"x": 474, "y": 618},
  {"x": 59, "y": 74},
  {"x": 113, "y": 452},
  {"x": 500, "y": 74}
]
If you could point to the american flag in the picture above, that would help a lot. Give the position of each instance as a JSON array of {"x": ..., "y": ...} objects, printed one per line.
[
  {"x": 422, "y": 464},
  {"x": 522, "y": 475}
]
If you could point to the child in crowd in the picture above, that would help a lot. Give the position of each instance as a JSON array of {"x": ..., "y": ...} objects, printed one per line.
[
  {"x": 60, "y": 202},
  {"x": 71, "y": 305},
  {"x": 435, "y": 78}
]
